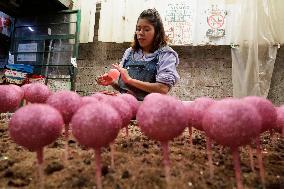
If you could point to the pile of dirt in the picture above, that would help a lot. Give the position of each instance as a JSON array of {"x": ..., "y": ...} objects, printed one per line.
[{"x": 138, "y": 164}]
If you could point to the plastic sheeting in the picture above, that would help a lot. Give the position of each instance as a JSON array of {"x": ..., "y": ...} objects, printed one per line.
[
  {"x": 88, "y": 11},
  {"x": 252, "y": 70},
  {"x": 256, "y": 34}
]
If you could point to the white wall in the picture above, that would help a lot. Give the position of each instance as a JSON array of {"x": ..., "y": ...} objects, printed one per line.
[{"x": 187, "y": 22}]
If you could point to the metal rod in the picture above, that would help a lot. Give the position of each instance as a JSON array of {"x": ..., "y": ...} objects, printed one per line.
[
  {"x": 237, "y": 45},
  {"x": 39, "y": 52},
  {"x": 48, "y": 24}
]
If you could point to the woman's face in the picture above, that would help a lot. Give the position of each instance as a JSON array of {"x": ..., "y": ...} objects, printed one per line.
[{"x": 145, "y": 34}]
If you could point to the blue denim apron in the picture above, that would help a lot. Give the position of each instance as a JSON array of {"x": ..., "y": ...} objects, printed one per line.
[{"x": 140, "y": 70}]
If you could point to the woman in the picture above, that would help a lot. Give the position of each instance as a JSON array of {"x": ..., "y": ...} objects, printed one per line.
[{"x": 149, "y": 65}]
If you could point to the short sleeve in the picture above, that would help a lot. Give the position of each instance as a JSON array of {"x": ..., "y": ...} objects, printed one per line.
[{"x": 167, "y": 72}]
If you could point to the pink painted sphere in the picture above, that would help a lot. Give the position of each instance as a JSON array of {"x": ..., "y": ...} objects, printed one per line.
[
  {"x": 25, "y": 86},
  {"x": 96, "y": 125},
  {"x": 161, "y": 117},
  {"x": 113, "y": 73},
  {"x": 88, "y": 100},
  {"x": 35, "y": 126},
  {"x": 36, "y": 93},
  {"x": 266, "y": 111},
  {"x": 100, "y": 96},
  {"x": 66, "y": 102},
  {"x": 231, "y": 122},
  {"x": 132, "y": 101},
  {"x": 122, "y": 107},
  {"x": 10, "y": 99},
  {"x": 195, "y": 111},
  {"x": 18, "y": 89}
]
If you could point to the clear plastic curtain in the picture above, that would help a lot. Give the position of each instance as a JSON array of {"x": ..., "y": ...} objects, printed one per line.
[{"x": 253, "y": 58}]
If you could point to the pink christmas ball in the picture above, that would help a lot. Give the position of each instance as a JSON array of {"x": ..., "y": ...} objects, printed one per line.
[
  {"x": 96, "y": 125},
  {"x": 18, "y": 89},
  {"x": 88, "y": 100},
  {"x": 266, "y": 111},
  {"x": 36, "y": 93},
  {"x": 195, "y": 111},
  {"x": 100, "y": 96},
  {"x": 66, "y": 102},
  {"x": 161, "y": 117},
  {"x": 10, "y": 99},
  {"x": 231, "y": 122},
  {"x": 25, "y": 86},
  {"x": 132, "y": 101},
  {"x": 35, "y": 126},
  {"x": 121, "y": 107},
  {"x": 113, "y": 73}
]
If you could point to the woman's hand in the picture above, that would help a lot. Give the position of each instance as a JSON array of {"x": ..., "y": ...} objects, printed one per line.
[
  {"x": 142, "y": 85},
  {"x": 104, "y": 80},
  {"x": 123, "y": 73}
]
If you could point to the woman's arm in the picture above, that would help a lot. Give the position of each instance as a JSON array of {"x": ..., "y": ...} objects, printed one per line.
[{"x": 149, "y": 87}]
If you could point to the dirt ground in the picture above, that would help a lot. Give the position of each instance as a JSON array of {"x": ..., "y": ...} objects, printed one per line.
[{"x": 138, "y": 164}]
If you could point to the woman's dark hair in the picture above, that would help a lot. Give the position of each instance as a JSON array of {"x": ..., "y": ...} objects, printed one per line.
[{"x": 160, "y": 38}]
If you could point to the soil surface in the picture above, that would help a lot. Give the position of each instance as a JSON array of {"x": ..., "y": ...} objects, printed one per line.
[{"x": 138, "y": 164}]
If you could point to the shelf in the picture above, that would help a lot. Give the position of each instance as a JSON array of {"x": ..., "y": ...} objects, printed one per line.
[
  {"x": 45, "y": 37},
  {"x": 39, "y": 52},
  {"x": 48, "y": 24},
  {"x": 44, "y": 65},
  {"x": 48, "y": 53}
]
